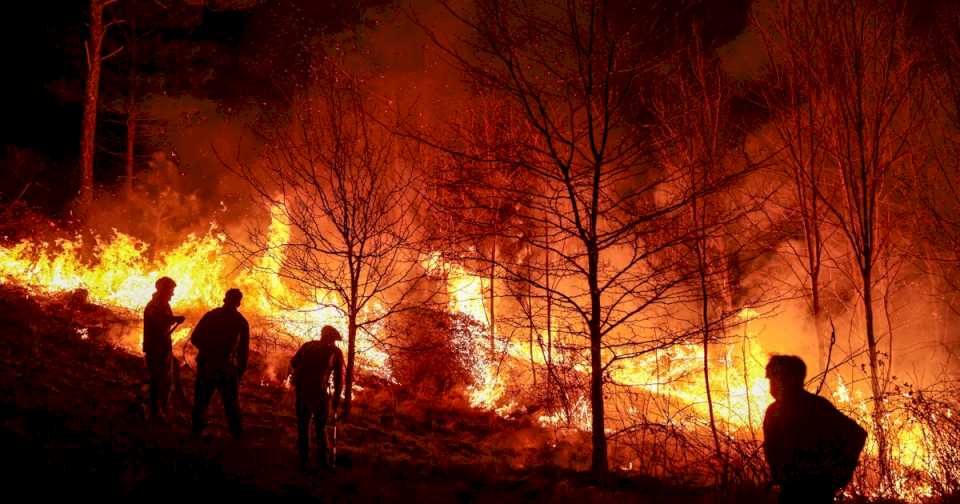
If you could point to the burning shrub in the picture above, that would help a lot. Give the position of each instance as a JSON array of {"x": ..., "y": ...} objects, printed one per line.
[{"x": 433, "y": 350}]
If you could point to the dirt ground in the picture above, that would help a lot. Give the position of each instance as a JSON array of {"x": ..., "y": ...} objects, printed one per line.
[{"x": 72, "y": 424}]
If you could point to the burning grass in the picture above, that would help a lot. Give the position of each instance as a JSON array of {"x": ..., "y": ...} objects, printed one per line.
[
  {"x": 656, "y": 414},
  {"x": 72, "y": 411}
]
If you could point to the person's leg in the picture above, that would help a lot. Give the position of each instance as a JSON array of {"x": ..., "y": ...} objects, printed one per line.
[
  {"x": 152, "y": 377},
  {"x": 158, "y": 369},
  {"x": 163, "y": 382},
  {"x": 202, "y": 393},
  {"x": 324, "y": 443},
  {"x": 303, "y": 431},
  {"x": 230, "y": 395}
]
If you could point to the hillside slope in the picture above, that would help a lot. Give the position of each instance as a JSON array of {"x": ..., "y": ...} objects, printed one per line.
[{"x": 72, "y": 424}]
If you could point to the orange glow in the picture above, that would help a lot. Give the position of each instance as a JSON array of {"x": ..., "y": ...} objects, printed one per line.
[{"x": 121, "y": 274}]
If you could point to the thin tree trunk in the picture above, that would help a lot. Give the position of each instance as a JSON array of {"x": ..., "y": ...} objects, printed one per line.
[
  {"x": 599, "y": 437},
  {"x": 878, "y": 406},
  {"x": 493, "y": 313},
  {"x": 351, "y": 356},
  {"x": 352, "y": 304},
  {"x": 705, "y": 320},
  {"x": 90, "y": 97},
  {"x": 130, "y": 156}
]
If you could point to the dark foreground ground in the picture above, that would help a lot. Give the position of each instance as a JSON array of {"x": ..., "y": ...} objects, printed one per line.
[{"x": 72, "y": 425}]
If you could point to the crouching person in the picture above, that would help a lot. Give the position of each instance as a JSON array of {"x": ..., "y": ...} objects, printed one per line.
[{"x": 313, "y": 366}]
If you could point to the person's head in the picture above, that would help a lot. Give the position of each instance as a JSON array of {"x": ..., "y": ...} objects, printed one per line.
[
  {"x": 165, "y": 286},
  {"x": 786, "y": 374},
  {"x": 232, "y": 298},
  {"x": 329, "y": 335}
]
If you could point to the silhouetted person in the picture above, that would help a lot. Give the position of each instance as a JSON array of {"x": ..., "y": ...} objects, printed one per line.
[
  {"x": 222, "y": 338},
  {"x": 313, "y": 366},
  {"x": 811, "y": 447},
  {"x": 158, "y": 323}
]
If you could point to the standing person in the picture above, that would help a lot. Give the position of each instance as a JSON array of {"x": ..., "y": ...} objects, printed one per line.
[
  {"x": 158, "y": 322},
  {"x": 222, "y": 338},
  {"x": 811, "y": 447},
  {"x": 313, "y": 365}
]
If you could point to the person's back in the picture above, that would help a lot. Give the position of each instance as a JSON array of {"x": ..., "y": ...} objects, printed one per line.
[
  {"x": 811, "y": 447},
  {"x": 157, "y": 319},
  {"x": 314, "y": 364},
  {"x": 222, "y": 339},
  {"x": 809, "y": 440}
]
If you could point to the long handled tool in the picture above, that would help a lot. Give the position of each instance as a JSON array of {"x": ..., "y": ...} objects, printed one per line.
[{"x": 330, "y": 433}]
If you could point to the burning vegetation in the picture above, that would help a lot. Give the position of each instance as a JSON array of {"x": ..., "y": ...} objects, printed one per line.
[{"x": 584, "y": 227}]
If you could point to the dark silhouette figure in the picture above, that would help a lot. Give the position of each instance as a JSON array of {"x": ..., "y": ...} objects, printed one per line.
[
  {"x": 313, "y": 365},
  {"x": 158, "y": 323},
  {"x": 811, "y": 447},
  {"x": 222, "y": 338}
]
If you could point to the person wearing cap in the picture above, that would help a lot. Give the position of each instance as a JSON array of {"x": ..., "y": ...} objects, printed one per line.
[
  {"x": 158, "y": 324},
  {"x": 222, "y": 338},
  {"x": 314, "y": 364}
]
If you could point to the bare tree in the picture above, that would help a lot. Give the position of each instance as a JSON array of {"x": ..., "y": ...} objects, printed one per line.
[
  {"x": 94, "y": 47},
  {"x": 793, "y": 95},
  {"x": 862, "y": 67},
  {"x": 346, "y": 189},
  {"x": 575, "y": 72},
  {"x": 704, "y": 142},
  {"x": 941, "y": 184}
]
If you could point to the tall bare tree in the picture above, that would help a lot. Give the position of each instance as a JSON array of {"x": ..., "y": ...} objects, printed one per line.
[
  {"x": 862, "y": 67},
  {"x": 793, "y": 95},
  {"x": 704, "y": 141},
  {"x": 576, "y": 72},
  {"x": 95, "y": 57},
  {"x": 346, "y": 189}
]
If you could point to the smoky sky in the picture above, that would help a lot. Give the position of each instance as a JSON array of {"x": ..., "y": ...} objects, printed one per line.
[
  {"x": 236, "y": 53},
  {"x": 225, "y": 57}
]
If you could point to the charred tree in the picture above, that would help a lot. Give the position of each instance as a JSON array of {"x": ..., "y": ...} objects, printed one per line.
[
  {"x": 866, "y": 68},
  {"x": 705, "y": 145},
  {"x": 794, "y": 97},
  {"x": 95, "y": 58},
  {"x": 131, "y": 106},
  {"x": 344, "y": 187},
  {"x": 575, "y": 75}
]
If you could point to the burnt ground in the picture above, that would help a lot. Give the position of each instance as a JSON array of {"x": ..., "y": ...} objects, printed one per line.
[{"x": 72, "y": 424}]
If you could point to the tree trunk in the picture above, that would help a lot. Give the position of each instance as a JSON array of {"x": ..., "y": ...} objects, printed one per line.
[
  {"x": 705, "y": 320},
  {"x": 599, "y": 436},
  {"x": 878, "y": 407},
  {"x": 90, "y": 97},
  {"x": 351, "y": 356},
  {"x": 130, "y": 155},
  {"x": 493, "y": 313},
  {"x": 823, "y": 344}
]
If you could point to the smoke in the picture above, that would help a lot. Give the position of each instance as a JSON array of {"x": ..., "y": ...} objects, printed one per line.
[{"x": 183, "y": 186}]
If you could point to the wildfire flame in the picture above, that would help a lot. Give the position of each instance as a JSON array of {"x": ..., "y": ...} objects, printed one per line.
[{"x": 121, "y": 271}]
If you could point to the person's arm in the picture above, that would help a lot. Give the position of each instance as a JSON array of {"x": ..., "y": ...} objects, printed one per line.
[
  {"x": 164, "y": 317},
  {"x": 243, "y": 347},
  {"x": 199, "y": 336},
  {"x": 773, "y": 445},
  {"x": 295, "y": 361}
]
